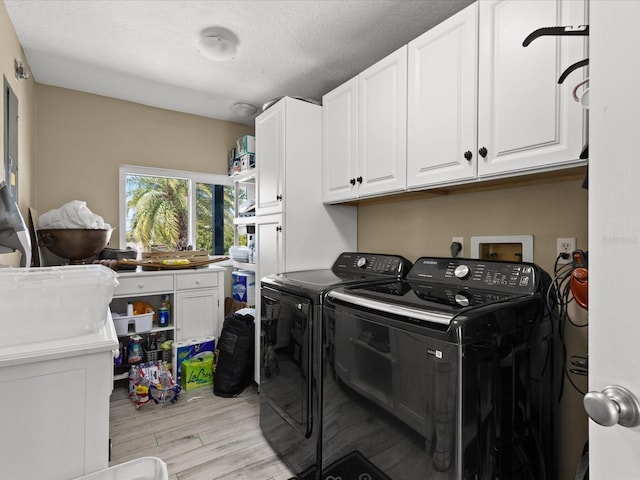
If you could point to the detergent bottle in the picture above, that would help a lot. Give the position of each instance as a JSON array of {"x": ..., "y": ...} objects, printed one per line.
[{"x": 164, "y": 313}]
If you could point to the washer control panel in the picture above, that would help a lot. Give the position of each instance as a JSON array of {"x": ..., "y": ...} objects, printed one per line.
[
  {"x": 470, "y": 273},
  {"x": 371, "y": 263}
]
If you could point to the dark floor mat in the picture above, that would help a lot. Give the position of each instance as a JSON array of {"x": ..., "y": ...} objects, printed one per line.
[{"x": 353, "y": 466}]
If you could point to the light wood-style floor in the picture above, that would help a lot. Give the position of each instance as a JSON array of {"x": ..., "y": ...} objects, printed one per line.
[{"x": 200, "y": 437}]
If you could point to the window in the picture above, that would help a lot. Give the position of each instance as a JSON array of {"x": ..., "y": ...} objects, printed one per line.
[{"x": 175, "y": 210}]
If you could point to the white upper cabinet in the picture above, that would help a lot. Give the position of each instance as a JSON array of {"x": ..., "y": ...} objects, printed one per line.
[
  {"x": 466, "y": 101},
  {"x": 441, "y": 130},
  {"x": 340, "y": 142},
  {"x": 270, "y": 149},
  {"x": 526, "y": 121},
  {"x": 382, "y": 126},
  {"x": 365, "y": 132},
  {"x": 471, "y": 74}
]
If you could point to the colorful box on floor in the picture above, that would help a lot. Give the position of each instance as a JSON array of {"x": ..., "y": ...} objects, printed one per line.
[
  {"x": 190, "y": 349},
  {"x": 197, "y": 372}
]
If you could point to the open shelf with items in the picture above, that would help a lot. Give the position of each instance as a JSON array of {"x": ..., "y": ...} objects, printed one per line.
[
  {"x": 195, "y": 308},
  {"x": 244, "y": 204},
  {"x": 244, "y": 266},
  {"x": 146, "y": 326},
  {"x": 244, "y": 221}
]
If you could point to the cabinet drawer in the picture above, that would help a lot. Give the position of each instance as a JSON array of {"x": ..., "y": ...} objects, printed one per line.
[
  {"x": 196, "y": 280},
  {"x": 144, "y": 285}
]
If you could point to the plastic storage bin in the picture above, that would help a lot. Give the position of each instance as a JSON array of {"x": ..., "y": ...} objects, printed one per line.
[
  {"x": 141, "y": 323},
  {"x": 145, "y": 468},
  {"x": 50, "y": 303},
  {"x": 156, "y": 355}
]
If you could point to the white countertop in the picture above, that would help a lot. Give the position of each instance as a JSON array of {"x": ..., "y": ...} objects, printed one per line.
[{"x": 212, "y": 267}]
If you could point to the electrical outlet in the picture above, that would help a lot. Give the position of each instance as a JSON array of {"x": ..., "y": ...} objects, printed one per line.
[
  {"x": 460, "y": 240},
  {"x": 565, "y": 245}
]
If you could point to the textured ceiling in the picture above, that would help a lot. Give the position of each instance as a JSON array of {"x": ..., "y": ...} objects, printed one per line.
[{"x": 146, "y": 51}]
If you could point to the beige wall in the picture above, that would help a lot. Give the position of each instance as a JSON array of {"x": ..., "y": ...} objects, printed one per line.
[
  {"x": 83, "y": 139},
  {"x": 418, "y": 227},
  {"x": 10, "y": 50},
  {"x": 424, "y": 227}
]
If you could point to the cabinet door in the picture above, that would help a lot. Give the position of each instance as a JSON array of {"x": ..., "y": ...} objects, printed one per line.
[
  {"x": 269, "y": 260},
  {"x": 382, "y": 126},
  {"x": 526, "y": 120},
  {"x": 442, "y": 102},
  {"x": 340, "y": 142},
  {"x": 270, "y": 245},
  {"x": 270, "y": 151},
  {"x": 197, "y": 313}
]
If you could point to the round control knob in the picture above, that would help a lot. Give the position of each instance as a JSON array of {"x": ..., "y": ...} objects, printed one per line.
[
  {"x": 462, "y": 300},
  {"x": 613, "y": 405},
  {"x": 462, "y": 272},
  {"x": 361, "y": 262}
]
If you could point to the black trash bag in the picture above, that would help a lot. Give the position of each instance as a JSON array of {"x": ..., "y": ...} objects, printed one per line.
[{"x": 234, "y": 355}]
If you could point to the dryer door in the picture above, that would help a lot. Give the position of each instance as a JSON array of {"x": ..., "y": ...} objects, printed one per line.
[{"x": 286, "y": 379}]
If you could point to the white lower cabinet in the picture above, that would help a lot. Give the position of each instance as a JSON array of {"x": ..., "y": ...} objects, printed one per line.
[
  {"x": 54, "y": 404},
  {"x": 197, "y": 314},
  {"x": 194, "y": 294},
  {"x": 269, "y": 231}
]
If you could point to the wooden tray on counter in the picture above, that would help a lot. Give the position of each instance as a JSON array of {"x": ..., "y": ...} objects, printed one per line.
[{"x": 172, "y": 260}]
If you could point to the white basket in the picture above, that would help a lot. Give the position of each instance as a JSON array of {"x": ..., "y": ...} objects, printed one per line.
[
  {"x": 50, "y": 303},
  {"x": 141, "y": 323},
  {"x": 145, "y": 468}
]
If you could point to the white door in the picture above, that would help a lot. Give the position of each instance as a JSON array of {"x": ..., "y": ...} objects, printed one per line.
[
  {"x": 340, "y": 142},
  {"x": 197, "y": 314},
  {"x": 382, "y": 126},
  {"x": 614, "y": 227},
  {"x": 526, "y": 121},
  {"x": 269, "y": 245},
  {"x": 270, "y": 152},
  {"x": 441, "y": 126}
]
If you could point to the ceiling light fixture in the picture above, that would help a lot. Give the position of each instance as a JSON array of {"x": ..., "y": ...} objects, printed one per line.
[
  {"x": 217, "y": 48},
  {"x": 244, "y": 109}
]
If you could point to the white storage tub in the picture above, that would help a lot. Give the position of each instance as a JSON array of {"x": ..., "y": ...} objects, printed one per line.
[
  {"x": 145, "y": 468},
  {"x": 141, "y": 323},
  {"x": 49, "y": 303}
]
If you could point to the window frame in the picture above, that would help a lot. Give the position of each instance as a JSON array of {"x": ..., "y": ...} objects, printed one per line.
[{"x": 191, "y": 177}]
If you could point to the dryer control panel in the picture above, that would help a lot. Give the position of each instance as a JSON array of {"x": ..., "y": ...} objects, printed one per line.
[
  {"x": 371, "y": 263},
  {"x": 521, "y": 278}
]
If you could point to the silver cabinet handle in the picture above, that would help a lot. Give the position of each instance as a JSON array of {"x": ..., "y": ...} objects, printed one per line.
[{"x": 613, "y": 405}]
